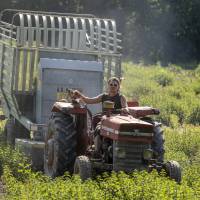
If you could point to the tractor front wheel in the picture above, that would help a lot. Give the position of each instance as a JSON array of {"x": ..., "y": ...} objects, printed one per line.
[
  {"x": 173, "y": 170},
  {"x": 10, "y": 132},
  {"x": 60, "y": 145},
  {"x": 83, "y": 167}
]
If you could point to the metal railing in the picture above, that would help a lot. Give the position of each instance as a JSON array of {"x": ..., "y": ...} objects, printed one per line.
[{"x": 62, "y": 31}]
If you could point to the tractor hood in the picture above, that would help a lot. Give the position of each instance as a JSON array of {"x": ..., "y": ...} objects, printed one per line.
[{"x": 126, "y": 127}]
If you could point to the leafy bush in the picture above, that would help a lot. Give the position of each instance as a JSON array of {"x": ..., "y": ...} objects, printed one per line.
[
  {"x": 184, "y": 141},
  {"x": 182, "y": 144},
  {"x": 197, "y": 70},
  {"x": 15, "y": 160},
  {"x": 164, "y": 79},
  {"x": 178, "y": 99},
  {"x": 194, "y": 117},
  {"x": 138, "y": 185}
]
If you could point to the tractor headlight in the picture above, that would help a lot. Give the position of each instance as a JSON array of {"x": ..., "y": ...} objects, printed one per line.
[
  {"x": 121, "y": 153},
  {"x": 148, "y": 154}
]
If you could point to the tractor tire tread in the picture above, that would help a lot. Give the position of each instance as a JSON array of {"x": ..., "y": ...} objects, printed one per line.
[
  {"x": 173, "y": 170},
  {"x": 83, "y": 167},
  {"x": 65, "y": 137}
]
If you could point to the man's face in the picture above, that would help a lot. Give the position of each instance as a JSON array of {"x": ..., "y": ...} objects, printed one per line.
[{"x": 113, "y": 86}]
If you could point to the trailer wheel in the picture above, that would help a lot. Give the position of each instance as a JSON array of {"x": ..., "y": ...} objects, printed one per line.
[
  {"x": 173, "y": 170},
  {"x": 13, "y": 129},
  {"x": 21, "y": 131},
  {"x": 4, "y": 135},
  {"x": 83, "y": 167},
  {"x": 10, "y": 132},
  {"x": 60, "y": 145}
]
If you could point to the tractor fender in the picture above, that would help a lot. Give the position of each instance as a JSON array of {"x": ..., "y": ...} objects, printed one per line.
[
  {"x": 140, "y": 111},
  {"x": 68, "y": 108}
]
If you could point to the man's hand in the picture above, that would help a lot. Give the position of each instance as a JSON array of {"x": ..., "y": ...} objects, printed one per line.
[
  {"x": 125, "y": 111},
  {"x": 76, "y": 94}
]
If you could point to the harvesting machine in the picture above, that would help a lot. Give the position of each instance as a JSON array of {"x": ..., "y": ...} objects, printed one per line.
[{"x": 42, "y": 56}]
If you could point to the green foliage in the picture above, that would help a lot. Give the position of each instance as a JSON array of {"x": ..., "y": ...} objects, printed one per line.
[
  {"x": 172, "y": 90},
  {"x": 137, "y": 185},
  {"x": 164, "y": 79},
  {"x": 181, "y": 144},
  {"x": 197, "y": 70},
  {"x": 179, "y": 105},
  {"x": 17, "y": 163}
]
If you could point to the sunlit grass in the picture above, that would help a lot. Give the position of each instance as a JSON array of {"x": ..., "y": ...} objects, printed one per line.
[{"x": 175, "y": 93}]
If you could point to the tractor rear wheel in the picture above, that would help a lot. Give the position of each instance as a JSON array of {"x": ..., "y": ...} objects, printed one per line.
[
  {"x": 10, "y": 132},
  {"x": 173, "y": 170},
  {"x": 83, "y": 167},
  {"x": 60, "y": 145}
]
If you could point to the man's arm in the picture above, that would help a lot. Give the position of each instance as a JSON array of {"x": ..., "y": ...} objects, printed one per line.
[
  {"x": 123, "y": 102},
  {"x": 124, "y": 105},
  {"x": 88, "y": 100}
]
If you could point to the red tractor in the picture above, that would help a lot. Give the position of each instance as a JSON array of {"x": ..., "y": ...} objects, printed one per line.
[{"x": 87, "y": 145}]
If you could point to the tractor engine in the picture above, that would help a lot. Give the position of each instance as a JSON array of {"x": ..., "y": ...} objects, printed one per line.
[{"x": 126, "y": 142}]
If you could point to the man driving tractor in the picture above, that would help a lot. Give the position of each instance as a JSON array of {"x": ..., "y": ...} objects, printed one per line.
[
  {"x": 120, "y": 103},
  {"x": 112, "y": 95}
]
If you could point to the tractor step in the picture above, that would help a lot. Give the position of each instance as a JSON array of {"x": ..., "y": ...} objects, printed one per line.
[{"x": 34, "y": 150}]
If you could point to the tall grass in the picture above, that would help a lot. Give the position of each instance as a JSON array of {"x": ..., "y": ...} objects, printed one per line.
[
  {"x": 176, "y": 93},
  {"x": 182, "y": 144}
]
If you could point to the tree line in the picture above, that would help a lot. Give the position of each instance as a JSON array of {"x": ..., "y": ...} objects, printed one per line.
[{"x": 153, "y": 30}]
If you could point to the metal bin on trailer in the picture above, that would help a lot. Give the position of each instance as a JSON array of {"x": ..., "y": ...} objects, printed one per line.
[{"x": 43, "y": 54}]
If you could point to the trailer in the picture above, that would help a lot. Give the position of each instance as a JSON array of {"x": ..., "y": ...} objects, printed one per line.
[{"x": 42, "y": 55}]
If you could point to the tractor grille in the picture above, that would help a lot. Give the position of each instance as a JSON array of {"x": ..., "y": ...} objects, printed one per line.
[{"x": 127, "y": 156}]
